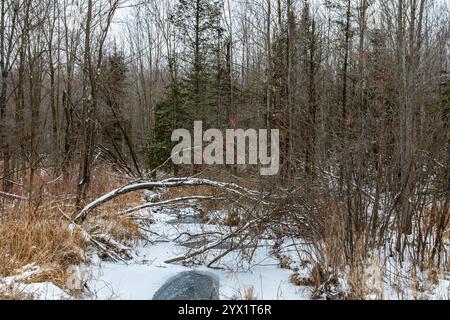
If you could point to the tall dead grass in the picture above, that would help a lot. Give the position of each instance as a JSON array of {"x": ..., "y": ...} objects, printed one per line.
[
  {"x": 37, "y": 231},
  {"x": 38, "y": 237}
]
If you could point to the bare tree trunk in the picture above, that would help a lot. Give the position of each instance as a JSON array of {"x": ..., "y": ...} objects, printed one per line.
[
  {"x": 269, "y": 110},
  {"x": 87, "y": 125},
  {"x": 8, "y": 29},
  {"x": 54, "y": 86},
  {"x": 90, "y": 92}
]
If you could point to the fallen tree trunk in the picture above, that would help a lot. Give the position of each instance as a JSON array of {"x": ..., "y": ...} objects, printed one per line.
[
  {"x": 113, "y": 255},
  {"x": 171, "y": 201},
  {"x": 170, "y": 183}
]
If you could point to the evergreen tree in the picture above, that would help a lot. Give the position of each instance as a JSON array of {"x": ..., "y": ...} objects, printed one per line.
[
  {"x": 116, "y": 126},
  {"x": 193, "y": 96},
  {"x": 114, "y": 85},
  {"x": 169, "y": 114},
  {"x": 198, "y": 25}
]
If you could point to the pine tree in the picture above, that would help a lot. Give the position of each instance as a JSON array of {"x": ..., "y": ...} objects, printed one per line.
[
  {"x": 114, "y": 85},
  {"x": 116, "y": 127},
  {"x": 198, "y": 25},
  {"x": 169, "y": 114},
  {"x": 192, "y": 95}
]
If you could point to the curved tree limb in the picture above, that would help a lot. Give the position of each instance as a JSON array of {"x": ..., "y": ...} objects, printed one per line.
[
  {"x": 169, "y": 183},
  {"x": 171, "y": 201}
]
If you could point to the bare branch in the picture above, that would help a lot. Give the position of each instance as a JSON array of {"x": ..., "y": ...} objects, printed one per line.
[{"x": 169, "y": 183}]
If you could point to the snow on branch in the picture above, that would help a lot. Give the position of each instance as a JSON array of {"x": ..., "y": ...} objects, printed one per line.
[
  {"x": 217, "y": 243},
  {"x": 171, "y": 201},
  {"x": 113, "y": 255},
  {"x": 170, "y": 183},
  {"x": 24, "y": 274}
]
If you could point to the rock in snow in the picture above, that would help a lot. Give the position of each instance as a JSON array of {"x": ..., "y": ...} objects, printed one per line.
[{"x": 190, "y": 285}]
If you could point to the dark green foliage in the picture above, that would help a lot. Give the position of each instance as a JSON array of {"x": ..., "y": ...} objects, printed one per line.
[
  {"x": 169, "y": 114},
  {"x": 198, "y": 25},
  {"x": 113, "y": 88},
  {"x": 193, "y": 97}
]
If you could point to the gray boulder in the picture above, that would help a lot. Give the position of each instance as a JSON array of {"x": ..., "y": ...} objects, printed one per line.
[{"x": 189, "y": 285}]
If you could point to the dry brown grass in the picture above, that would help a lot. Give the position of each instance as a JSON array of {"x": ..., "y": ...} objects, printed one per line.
[
  {"x": 249, "y": 294},
  {"x": 36, "y": 232},
  {"x": 11, "y": 293},
  {"x": 119, "y": 227},
  {"x": 42, "y": 239}
]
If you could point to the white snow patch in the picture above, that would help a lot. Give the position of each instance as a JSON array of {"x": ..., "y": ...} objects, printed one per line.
[
  {"x": 42, "y": 291},
  {"x": 147, "y": 272}
]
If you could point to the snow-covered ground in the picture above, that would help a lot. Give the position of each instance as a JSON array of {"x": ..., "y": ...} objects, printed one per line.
[
  {"x": 41, "y": 290},
  {"x": 253, "y": 272},
  {"x": 147, "y": 272}
]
